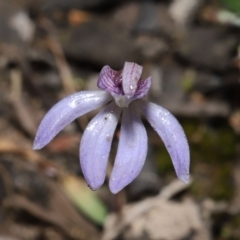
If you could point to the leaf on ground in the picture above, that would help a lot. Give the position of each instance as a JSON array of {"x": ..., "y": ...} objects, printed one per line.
[{"x": 85, "y": 199}]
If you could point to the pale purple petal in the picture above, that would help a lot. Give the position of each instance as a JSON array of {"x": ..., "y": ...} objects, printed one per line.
[
  {"x": 173, "y": 136},
  {"x": 132, "y": 150},
  {"x": 110, "y": 80},
  {"x": 65, "y": 111},
  {"x": 130, "y": 76},
  {"x": 143, "y": 88},
  {"x": 96, "y": 143}
]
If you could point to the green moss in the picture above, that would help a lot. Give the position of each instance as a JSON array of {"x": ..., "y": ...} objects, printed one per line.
[
  {"x": 229, "y": 230},
  {"x": 231, "y": 5},
  {"x": 163, "y": 160}
]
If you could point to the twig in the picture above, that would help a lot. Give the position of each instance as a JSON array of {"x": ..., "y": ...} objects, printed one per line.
[
  {"x": 24, "y": 116},
  {"x": 61, "y": 62},
  {"x": 7, "y": 181}
]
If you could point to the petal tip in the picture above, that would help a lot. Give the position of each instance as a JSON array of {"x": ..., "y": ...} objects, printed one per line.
[
  {"x": 40, "y": 140},
  {"x": 94, "y": 186},
  {"x": 114, "y": 188},
  {"x": 37, "y": 145},
  {"x": 184, "y": 178},
  {"x": 116, "y": 185}
]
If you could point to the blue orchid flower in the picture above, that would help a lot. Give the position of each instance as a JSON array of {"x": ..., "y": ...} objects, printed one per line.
[{"x": 122, "y": 93}]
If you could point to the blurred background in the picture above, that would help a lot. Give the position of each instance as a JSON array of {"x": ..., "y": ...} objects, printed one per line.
[{"x": 52, "y": 48}]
